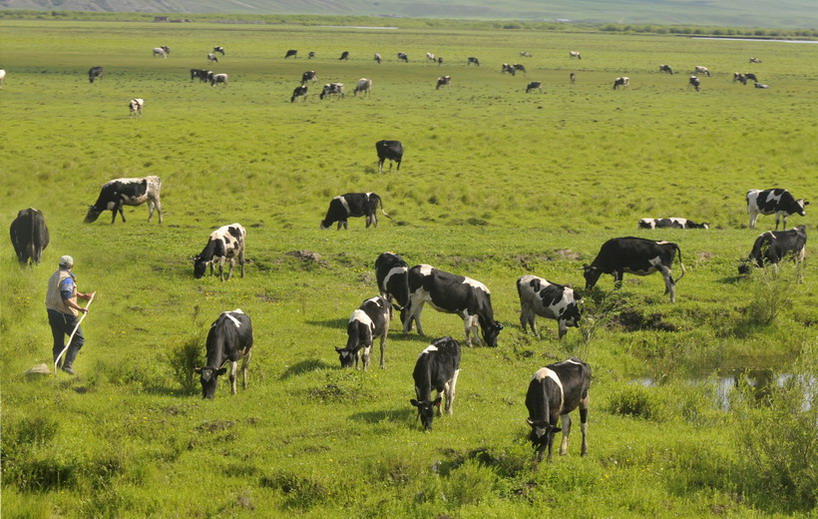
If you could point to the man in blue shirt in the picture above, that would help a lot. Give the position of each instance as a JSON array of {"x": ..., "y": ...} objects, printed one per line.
[{"x": 63, "y": 311}]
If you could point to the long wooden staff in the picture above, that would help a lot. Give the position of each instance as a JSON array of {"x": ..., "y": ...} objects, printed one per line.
[{"x": 71, "y": 337}]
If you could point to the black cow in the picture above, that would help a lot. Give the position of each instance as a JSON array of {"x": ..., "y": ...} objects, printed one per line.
[
  {"x": 769, "y": 201},
  {"x": 392, "y": 274},
  {"x": 403, "y": 57},
  {"x": 299, "y": 91},
  {"x": 369, "y": 322},
  {"x": 671, "y": 223},
  {"x": 223, "y": 244},
  {"x": 555, "y": 391},
  {"x": 470, "y": 61},
  {"x": 666, "y": 68},
  {"x": 332, "y": 89},
  {"x": 520, "y": 67},
  {"x": 751, "y": 77},
  {"x": 201, "y": 75},
  {"x": 392, "y": 150},
  {"x": 773, "y": 246},
  {"x": 638, "y": 256},
  {"x": 538, "y": 296},
  {"x": 291, "y": 53},
  {"x": 127, "y": 191},
  {"x": 311, "y": 55},
  {"x": 29, "y": 235},
  {"x": 436, "y": 369},
  {"x": 621, "y": 82},
  {"x": 443, "y": 81},
  {"x": 453, "y": 294},
  {"x": 344, "y": 56},
  {"x": 219, "y": 49},
  {"x": 349, "y": 205},
  {"x": 309, "y": 75},
  {"x": 534, "y": 85},
  {"x": 94, "y": 73},
  {"x": 230, "y": 338},
  {"x": 694, "y": 82}
]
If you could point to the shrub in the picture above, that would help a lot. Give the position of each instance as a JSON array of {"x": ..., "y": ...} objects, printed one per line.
[
  {"x": 774, "y": 292},
  {"x": 183, "y": 358},
  {"x": 635, "y": 400},
  {"x": 469, "y": 483}
]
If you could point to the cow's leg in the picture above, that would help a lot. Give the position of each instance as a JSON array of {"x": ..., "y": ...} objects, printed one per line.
[
  {"x": 375, "y": 218},
  {"x": 380, "y": 165},
  {"x": 583, "y": 418},
  {"x": 366, "y": 355},
  {"x": 617, "y": 274},
  {"x": 563, "y": 328},
  {"x": 232, "y": 264},
  {"x": 368, "y": 221},
  {"x": 670, "y": 286},
  {"x": 467, "y": 324},
  {"x": 413, "y": 310},
  {"x": 566, "y": 430},
  {"x": 221, "y": 267},
  {"x": 241, "y": 261},
  {"x": 244, "y": 364},
  {"x": 451, "y": 389},
  {"x": 753, "y": 218},
  {"x": 233, "y": 366}
]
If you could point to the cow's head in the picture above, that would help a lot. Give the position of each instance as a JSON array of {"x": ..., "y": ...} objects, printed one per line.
[
  {"x": 744, "y": 267},
  {"x": 541, "y": 434},
  {"x": 209, "y": 379},
  {"x": 802, "y": 204},
  {"x": 347, "y": 356},
  {"x": 199, "y": 267},
  {"x": 326, "y": 224},
  {"x": 573, "y": 312},
  {"x": 92, "y": 214},
  {"x": 426, "y": 411},
  {"x": 591, "y": 276},
  {"x": 491, "y": 331}
]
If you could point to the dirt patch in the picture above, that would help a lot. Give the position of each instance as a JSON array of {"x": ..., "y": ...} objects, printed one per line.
[
  {"x": 567, "y": 255},
  {"x": 308, "y": 258},
  {"x": 632, "y": 321},
  {"x": 215, "y": 426}
]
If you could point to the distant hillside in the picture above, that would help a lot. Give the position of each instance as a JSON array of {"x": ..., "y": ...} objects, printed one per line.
[{"x": 745, "y": 13}]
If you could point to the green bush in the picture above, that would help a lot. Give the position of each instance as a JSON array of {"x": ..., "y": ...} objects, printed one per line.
[
  {"x": 182, "y": 358},
  {"x": 637, "y": 401}
]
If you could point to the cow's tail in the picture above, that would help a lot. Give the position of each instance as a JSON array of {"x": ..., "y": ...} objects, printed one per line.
[
  {"x": 380, "y": 202},
  {"x": 679, "y": 252}
]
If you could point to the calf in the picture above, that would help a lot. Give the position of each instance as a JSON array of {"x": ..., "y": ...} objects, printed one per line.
[
  {"x": 534, "y": 85},
  {"x": 292, "y": 53},
  {"x": 671, "y": 223},
  {"x": 391, "y": 150},
  {"x": 378, "y": 58},
  {"x": 538, "y": 296},
  {"x": 436, "y": 369},
  {"x": 403, "y": 57},
  {"x": 701, "y": 70},
  {"x": 773, "y": 246},
  {"x": 127, "y": 191},
  {"x": 364, "y": 85},
  {"x": 29, "y": 236},
  {"x": 555, "y": 391},
  {"x": 472, "y": 61},
  {"x": 443, "y": 81},
  {"x": 621, "y": 82},
  {"x": 332, "y": 89},
  {"x": 666, "y": 68},
  {"x": 344, "y": 56},
  {"x": 94, "y": 73},
  {"x": 299, "y": 91},
  {"x": 230, "y": 338},
  {"x": 223, "y": 244},
  {"x": 694, "y": 82},
  {"x": 353, "y": 205},
  {"x": 309, "y": 75},
  {"x": 638, "y": 256},
  {"x": 201, "y": 75},
  {"x": 135, "y": 105},
  {"x": 219, "y": 49},
  {"x": 369, "y": 322},
  {"x": 574, "y": 54},
  {"x": 453, "y": 294},
  {"x": 212, "y": 57},
  {"x": 218, "y": 78},
  {"x": 392, "y": 275},
  {"x": 769, "y": 201}
]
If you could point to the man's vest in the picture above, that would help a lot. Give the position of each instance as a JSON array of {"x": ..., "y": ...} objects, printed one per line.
[{"x": 53, "y": 297}]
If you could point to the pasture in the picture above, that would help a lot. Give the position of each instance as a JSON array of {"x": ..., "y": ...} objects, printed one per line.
[{"x": 495, "y": 183}]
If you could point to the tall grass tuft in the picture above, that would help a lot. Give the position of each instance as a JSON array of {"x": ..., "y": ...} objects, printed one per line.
[
  {"x": 775, "y": 291},
  {"x": 182, "y": 358}
]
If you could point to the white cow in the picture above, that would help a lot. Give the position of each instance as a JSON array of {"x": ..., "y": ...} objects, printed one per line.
[
  {"x": 2, "y": 77},
  {"x": 701, "y": 70},
  {"x": 364, "y": 85},
  {"x": 162, "y": 51},
  {"x": 574, "y": 54}
]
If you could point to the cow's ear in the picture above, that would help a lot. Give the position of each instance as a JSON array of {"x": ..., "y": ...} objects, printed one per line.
[
  {"x": 499, "y": 326},
  {"x": 529, "y": 421},
  {"x": 556, "y": 429},
  {"x": 222, "y": 371},
  {"x": 197, "y": 370},
  {"x": 806, "y": 202},
  {"x": 414, "y": 402}
]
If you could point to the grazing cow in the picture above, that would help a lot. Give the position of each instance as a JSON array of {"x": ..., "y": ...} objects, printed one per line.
[
  {"x": 219, "y": 49},
  {"x": 671, "y": 223},
  {"x": 534, "y": 85},
  {"x": 212, "y": 57},
  {"x": 472, "y": 61},
  {"x": 299, "y": 91},
  {"x": 453, "y": 294},
  {"x": 430, "y": 56},
  {"x": 3, "y": 77},
  {"x": 224, "y": 244},
  {"x": 29, "y": 235},
  {"x": 392, "y": 150},
  {"x": 773, "y": 246},
  {"x": 443, "y": 81},
  {"x": 621, "y": 82},
  {"x": 135, "y": 105},
  {"x": 311, "y": 54},
  {"x": 694, "y": 82},
  {"x": 574, "y": 54},
  {"x": 751, "y": 77},
  {"x": 369, "y": 322},
  {"x": 701, "y": 70},
  {"x": 769, "y": 201},
  {"x": 436, "y": 369},
  {"x": 572, "y": 77},
  {"x": 162, "y": 51},
  {"x": 555, "y": 391},
  {"x": 202, "y": 75},
  {"x": 403, "y": 57},
  {"x": 638, "y": 256},
  {"x": 741, "y": 78},
  {"x": 291, "y": 53},
  {"x": 309, "y": 75},
  {"x": 439, "y": 61},
  {"x": 378, "y": 58},
  {"x": 332, "y": 89},
  {"x": 525, "y": 54},
  {"x": 520, "y": 67},
  {"x": 218, "y": 78},
  {"x": 538, "y": 296},
  {"x": 229, "y": 339},
  {"x": 93, "y": 73},
  {"x": 755, "y": 60},
  {"x": 392, "y": 274},
  {"x": 344, "y": 56},
  {"x": 762, "y": 85},
  {"x": 666, "y": 68},
  {"x": 505, "y": 67},
  {"x": 127, "y": 191},
  {"x": 341, "y": 208},
  {"x": 364, "y": 85}
]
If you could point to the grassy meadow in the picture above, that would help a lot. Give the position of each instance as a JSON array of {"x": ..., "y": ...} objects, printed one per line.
[{"x": 495, "y": 183}]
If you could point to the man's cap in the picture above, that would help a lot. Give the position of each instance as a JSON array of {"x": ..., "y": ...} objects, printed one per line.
[{"x": 66, "y": 261}]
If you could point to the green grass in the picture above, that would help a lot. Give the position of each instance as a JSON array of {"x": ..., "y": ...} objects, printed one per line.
[{"x": 495, "y": 183}]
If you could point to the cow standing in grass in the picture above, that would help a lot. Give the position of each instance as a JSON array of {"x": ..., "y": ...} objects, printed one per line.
[
  {"x": 392, "y": 275},
  {"x": 443, "y": 81},
  {"x": 534, "y": 85},
  {"x": 391, "y": 151},
  {"x": 772, "y": 247},
  {"x": 369, "y": 322},
  {"x": 292, "y": 53},
  {"x": 538, "y": 296},
  {"x": 127, "y": 191},
  {"x": 621, "y": 82},
  {"x": 364, "y": 86},
  {"x": 93, "y": 74},
  {"x": 299, "y": 91},
  {"x": 135, "y": 105},
  {"x": 769, "y": 201},
  {"x": 229, "y": 339},
  {"x": 701, "y": 70},
  {"x": 437, "y": 369},
  {"x": 574, "y": 54},
  {"x": 666, "y": 69},
  {"x": 694, "y": 82},
  {"x": 341, "y": 208},
  {"x": 29, "y": 236},
  {"x": 227, "y": 243}
]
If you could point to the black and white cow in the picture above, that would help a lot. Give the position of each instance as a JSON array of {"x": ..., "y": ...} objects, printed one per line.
[
  {"x": 751, "y": 77},
  {"x": 230, "y": 339},
  {"x": 538, "y": 296},
  {"x": 391, "y": 150},
  {"x": 769, "y": 201},
  {"x": 430, "y": 56},
  {"x": 622, "y": 81},
  {"x": 162, "y": 51},
  {"x": 572, "y": 78},
  {"x": 671, "y": 223},
  {"x": 534, "y": 85},
  {"x": 525, "y": 54},
  {"x": 694, "y": 82},
  {"x": 311, "y": 54},
  {"x": 299, "y": 91},
  {"x": 638, "y": 256},
  {"x": 127, "y": 191},
  {"x": 741, "y": 78},
  {"x": 443, "y": 81},
  {"x": 555, "y": 391},
  {"x": 344, "y": 56},
  {"x": 364, "y": 85},
  {"x": 219, "y": 49},
  {"x": 336, "y": 89},
  {"x": 94, "y": 73},
  {"x": 439, "y": 61},
  {"x": 212, "y": 57},
  {"x": 453, "y": 294},
  {"x": 29, "y": 235},
  {"x": 755, "y": 60},
  {"x": 761, "y": 85},
  {"x": 201, "y": 75},
  {"x": 506, "y": 68},
  {"x": 402, "y": 56},
  {"x": 666, "y": 68},
  {"x": 378, "y": 58},
  {"x": 224, "y": 244},
  {"x": 392, "y": 274},
  {"x": 135, "y": 105},
  {"x": 436, "y": 369},
  {"x": 519, "y": 67},
  {"x": 369, "y": 322},
  {"x": 218, "y": 78},
  {"x": 772, "y": 247},
  {"x": 292, "y": 53},
  {"x": 472, "y": 61},
  {"x": 309, "y": 75},
  {"x": 701, "y": 70},
  {"x": 574, "y": 54},
  {"x": 341, "y": 208}
]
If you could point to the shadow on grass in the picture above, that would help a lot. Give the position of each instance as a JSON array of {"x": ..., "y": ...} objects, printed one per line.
[
  {"x": 305, "y": 366},
  {"x": 388, "y": 415},
  {"x": 331, "y": 323},
  {"x": 732, "y": 280}
]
